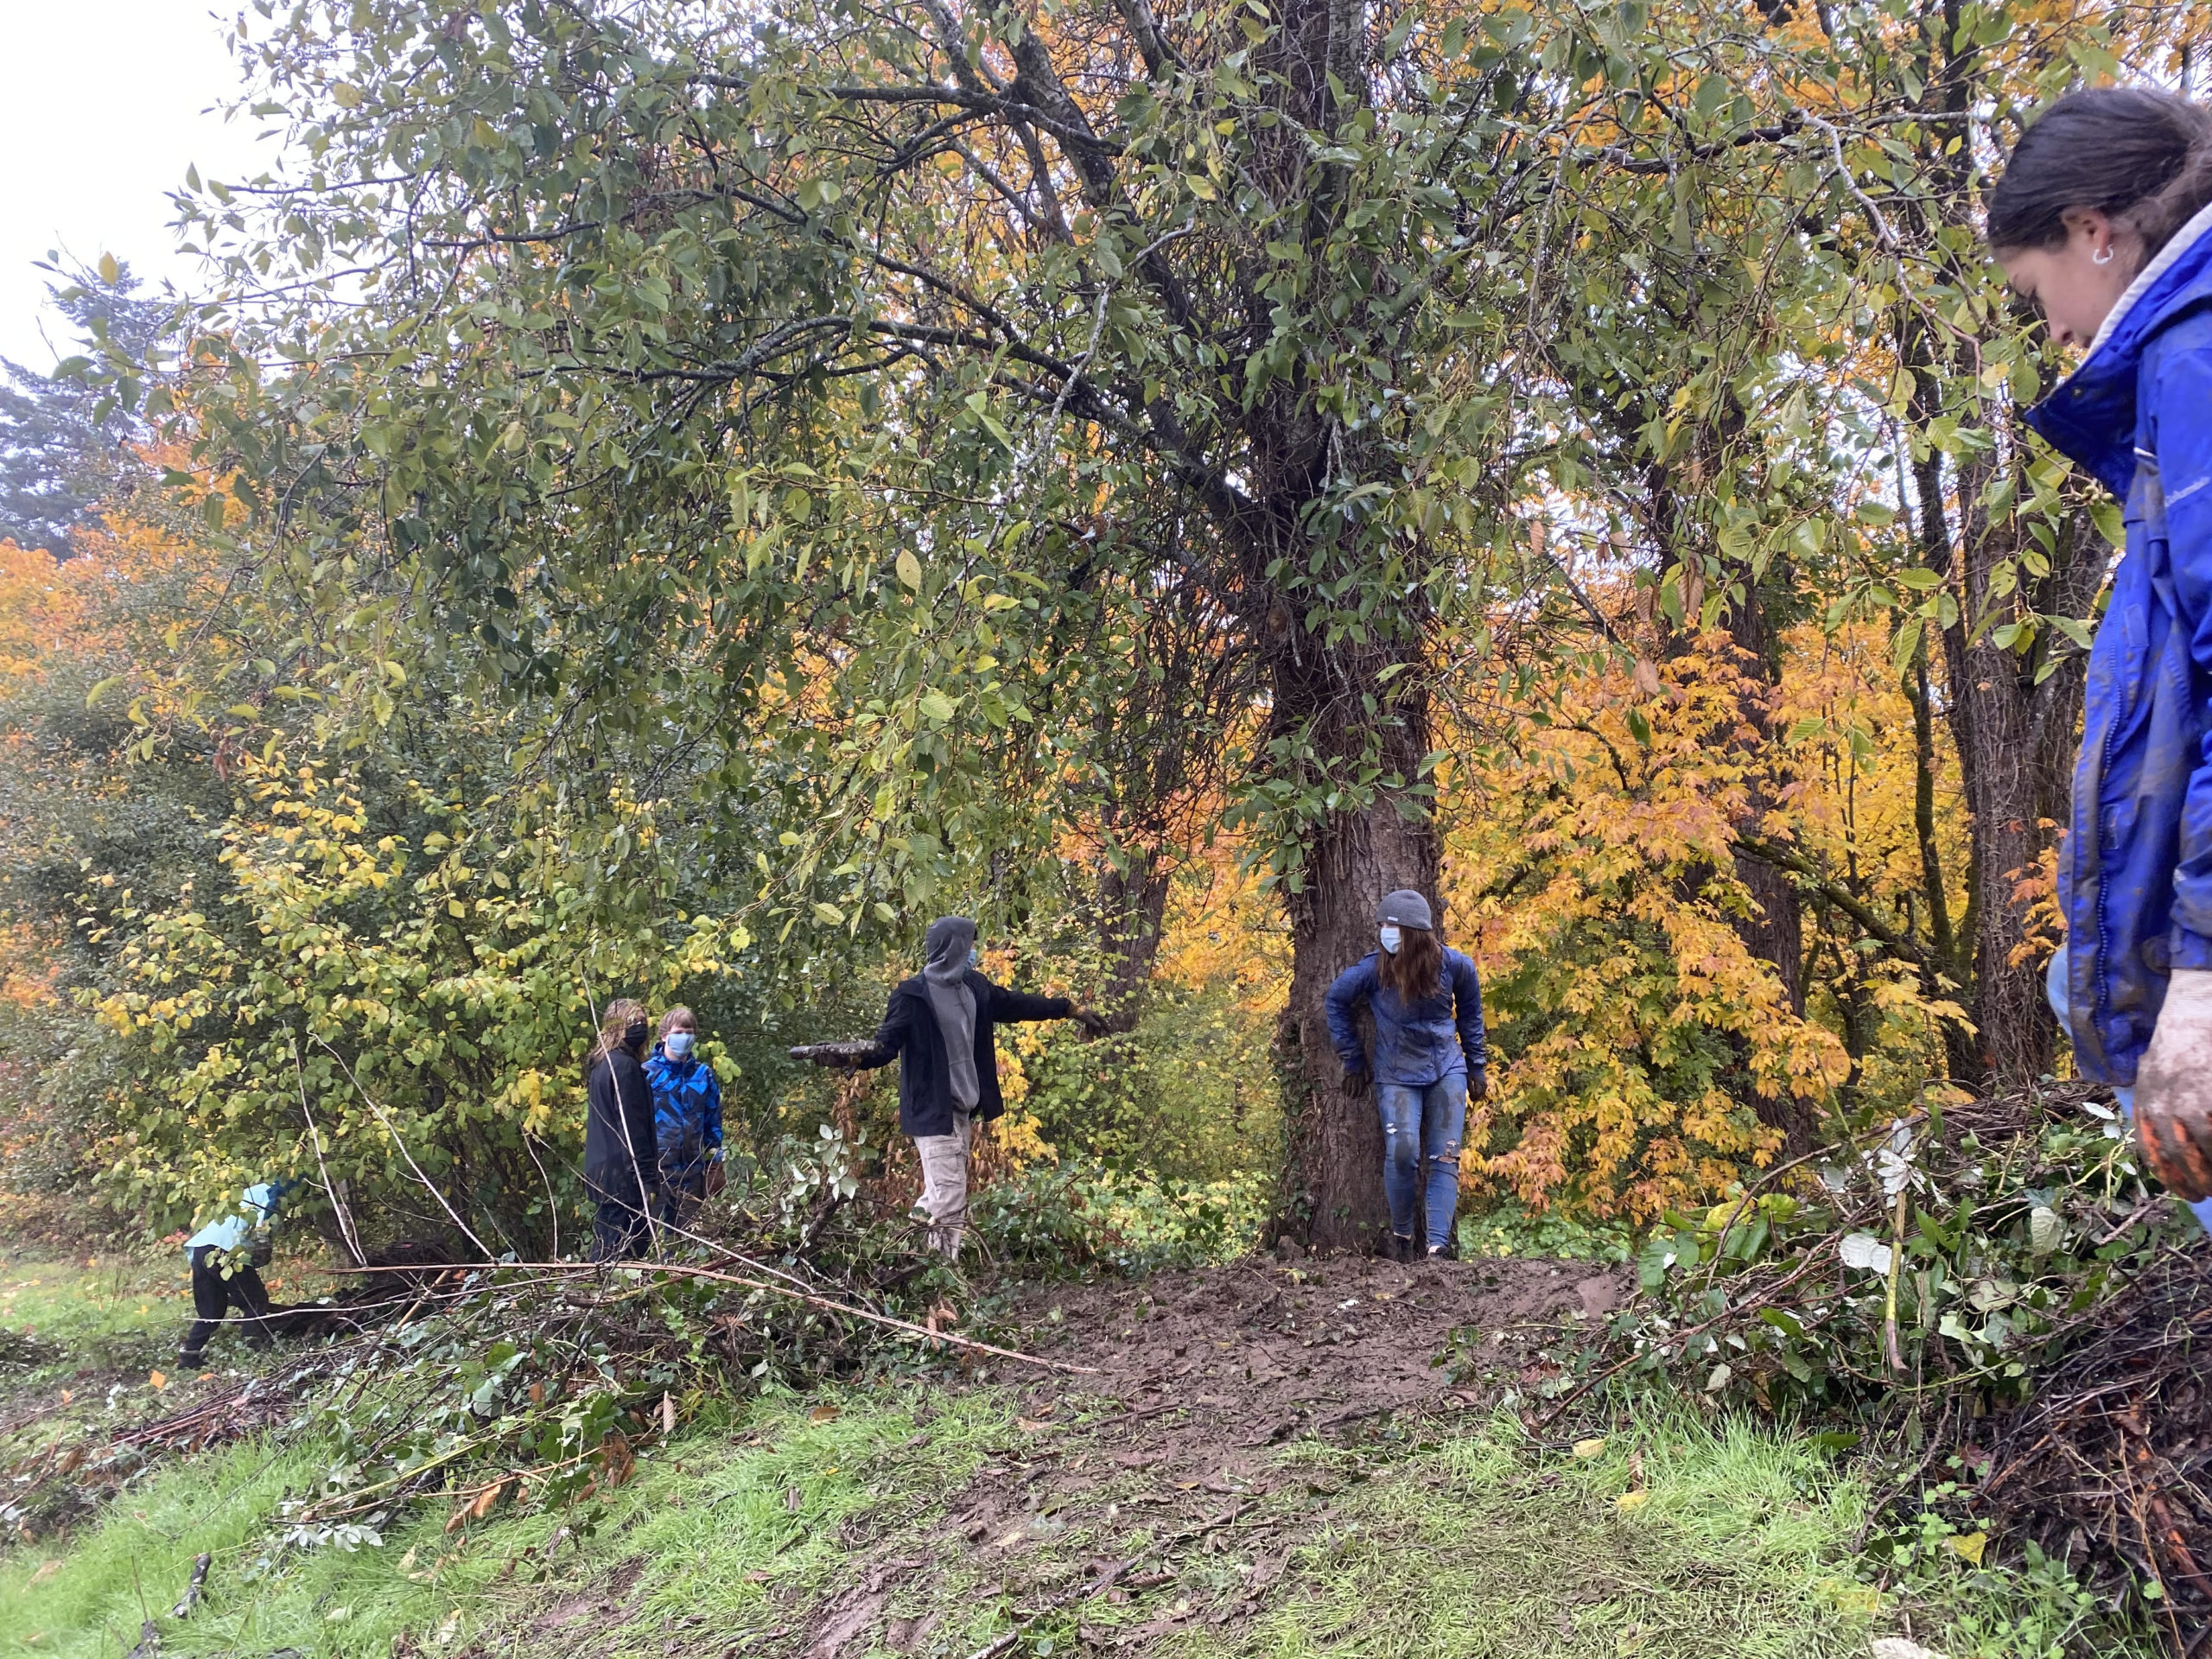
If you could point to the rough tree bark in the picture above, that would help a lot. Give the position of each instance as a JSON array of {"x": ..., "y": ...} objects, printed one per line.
[{"x": 1332, "y": 1187}]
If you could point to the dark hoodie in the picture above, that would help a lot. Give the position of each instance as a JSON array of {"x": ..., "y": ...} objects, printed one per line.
[{"x": 913, "y": 1033}]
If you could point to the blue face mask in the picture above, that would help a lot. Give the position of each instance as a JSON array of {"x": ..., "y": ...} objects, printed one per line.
[
  {"x": 678, "y": 1043},
  {"x": 1391, "y": 937},
  {"x": 975, "y": 955}
]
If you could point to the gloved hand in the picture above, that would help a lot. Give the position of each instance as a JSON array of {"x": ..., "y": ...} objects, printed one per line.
[
  {"x": 1478, "y": 1083},
  {"x": 1355, "y": 1083},
  {"x": 1094, "y": 1023},
  {"x": 2173, "y": 1089}
]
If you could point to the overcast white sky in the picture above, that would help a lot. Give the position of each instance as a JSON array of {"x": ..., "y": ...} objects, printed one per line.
[{"x": 102, "y": 105}]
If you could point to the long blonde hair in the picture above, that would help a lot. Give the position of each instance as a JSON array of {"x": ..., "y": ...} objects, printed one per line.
[{"x": 622, "y": 1012}]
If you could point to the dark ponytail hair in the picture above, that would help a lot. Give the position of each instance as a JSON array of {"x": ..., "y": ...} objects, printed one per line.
[{"x": 2143, "y": 158}]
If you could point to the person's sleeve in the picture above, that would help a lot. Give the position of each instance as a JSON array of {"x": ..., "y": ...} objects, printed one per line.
[
  {"x": 712, "y": 1134},
  {"x": 1467, "y": 985},
  {"x": 891, "y": 1037},
  {"x": 2181, "y": 410},
  {"x": 1356, "y": 982},
  {"x": 1011, "y": 1008}
]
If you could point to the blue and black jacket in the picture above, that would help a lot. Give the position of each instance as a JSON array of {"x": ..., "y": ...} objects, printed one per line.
[
  {"x": 2135, "y": 874},
  {"x": 687, "y": 1113}
]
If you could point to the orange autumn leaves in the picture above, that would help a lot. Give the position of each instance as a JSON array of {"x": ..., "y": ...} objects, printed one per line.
[{"x": 1591, "y": 870}]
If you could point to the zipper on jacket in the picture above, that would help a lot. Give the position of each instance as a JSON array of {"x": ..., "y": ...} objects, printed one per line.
[{"x": 2103, "y": 986}]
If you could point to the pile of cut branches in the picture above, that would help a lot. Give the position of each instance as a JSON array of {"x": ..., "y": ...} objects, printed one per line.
[
  {"x": 1991, "y": 1290},
  {"x": 2108, "y": 1466},
  {"x": 498, "y": 1382},
  {"x": 1926, "y": 1266}
]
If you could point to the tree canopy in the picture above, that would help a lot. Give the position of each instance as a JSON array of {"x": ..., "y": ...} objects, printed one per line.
[{"x": 801, "y": 470}]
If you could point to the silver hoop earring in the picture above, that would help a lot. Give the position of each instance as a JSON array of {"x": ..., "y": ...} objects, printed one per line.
[{"x": 2104, "y": 259}]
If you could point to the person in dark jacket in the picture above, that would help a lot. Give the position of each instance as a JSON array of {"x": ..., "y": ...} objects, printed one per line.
[
  {"x": 938, "y": 1028},
  {"x": 1429, "y": 1055},
  {"x": 226, "y": 1257},
  {"x": 2103, "y": 220},
  {"x": 621, "y": 1152},
  {"x": 687, "y": 1118}
]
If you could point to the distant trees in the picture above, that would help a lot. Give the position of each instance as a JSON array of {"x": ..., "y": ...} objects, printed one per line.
[{"x": 63, "y": 440}]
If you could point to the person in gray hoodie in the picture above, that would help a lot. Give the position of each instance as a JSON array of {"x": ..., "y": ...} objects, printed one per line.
[{"x": 940, "y": 1027}]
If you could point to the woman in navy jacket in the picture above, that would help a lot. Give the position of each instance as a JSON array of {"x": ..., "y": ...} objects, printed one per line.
[
  {"x": 2102, "y": 221},
  {"x": 1429, "y": 1056}
]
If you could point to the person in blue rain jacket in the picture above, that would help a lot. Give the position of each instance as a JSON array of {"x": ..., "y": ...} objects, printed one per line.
[
  {"x": 225, "y": 1256},
  {"x": 687, "y": 1118},
  {"x": 2102, "y": 221},
  {"x": 1429, "y": 1055}
]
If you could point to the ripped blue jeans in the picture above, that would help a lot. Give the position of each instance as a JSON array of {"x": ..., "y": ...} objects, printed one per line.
[
  {"x": 1423, "y": 1126},
  {"x": 2054, "y": 985}
]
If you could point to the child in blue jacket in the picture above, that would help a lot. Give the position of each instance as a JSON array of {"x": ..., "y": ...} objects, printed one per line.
[
  {"x": 2103, "y": 221},
  {"x": 1429, "y": 1056},
  {"x": 687, "y": 1118}
]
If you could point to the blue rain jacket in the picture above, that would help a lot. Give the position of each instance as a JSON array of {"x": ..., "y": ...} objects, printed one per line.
[
  {"x": 2135, "y": 874},
  {"x": 259, "y": 1210},
  {"x": 686, "y": 1113},
  {"x": 1416, "y": 1043}
]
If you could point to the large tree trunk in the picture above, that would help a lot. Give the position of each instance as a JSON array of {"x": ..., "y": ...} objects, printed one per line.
[
  {"x": 1334, "y": 1175},
  {"x": 1132, "y": 907},
  {"x": 1994, "y": 727}
]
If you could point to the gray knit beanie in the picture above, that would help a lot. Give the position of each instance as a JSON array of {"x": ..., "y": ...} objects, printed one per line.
[{"x": 1406, "y": 908}]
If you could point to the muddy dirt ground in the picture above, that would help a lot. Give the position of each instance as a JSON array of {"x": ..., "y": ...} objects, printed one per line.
[{"x": 1195, "y": 1380}]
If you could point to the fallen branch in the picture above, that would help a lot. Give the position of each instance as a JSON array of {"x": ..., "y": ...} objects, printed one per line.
[{"x": 828, "y": 1305}]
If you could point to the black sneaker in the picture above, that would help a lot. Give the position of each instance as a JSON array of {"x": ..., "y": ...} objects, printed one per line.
[
  {"x": 189, "y": 1361},
  {"x": 1402, "y": 1247}
]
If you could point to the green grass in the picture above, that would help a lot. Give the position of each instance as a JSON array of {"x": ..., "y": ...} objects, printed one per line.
[
  {"x": 91, "y": 1303},
  {"x": 710, "y": 1523},
  {"x": 119, "y": 1311},
  {"x": 1679, "y": 1535}
]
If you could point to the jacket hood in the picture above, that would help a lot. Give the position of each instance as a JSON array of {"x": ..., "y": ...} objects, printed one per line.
[
  {"x": 2091, "y": 417},
  {"x": 945, "y": 949}
]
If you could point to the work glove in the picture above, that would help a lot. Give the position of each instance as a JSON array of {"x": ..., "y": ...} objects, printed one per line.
[
  {"x": 1355, "y": 1083},
  {"x": 1094, "y": 1023},
  {"x": 1478, "y": 1083},
  {"x": 2173, "y": 1089}
]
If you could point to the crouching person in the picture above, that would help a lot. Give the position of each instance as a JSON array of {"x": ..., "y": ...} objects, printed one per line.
[
  {"x": 1429, "y": 1056},
  {"x": 939, "y": 1029},
  {"x": 227, "y": 1255}
]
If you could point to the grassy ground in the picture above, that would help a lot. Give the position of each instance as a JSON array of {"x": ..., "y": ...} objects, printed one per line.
[{"x": 772, "y": 1527}]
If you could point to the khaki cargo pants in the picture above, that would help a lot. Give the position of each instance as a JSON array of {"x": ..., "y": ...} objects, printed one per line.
[{"x": 943, "y": 1203}]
